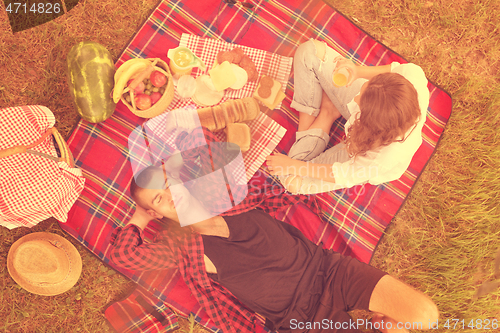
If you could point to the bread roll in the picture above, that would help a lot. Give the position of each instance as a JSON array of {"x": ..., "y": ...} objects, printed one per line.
[
  {"x": 239, "y": 134},
  {"x": 207, "y": 118},
  {"x": 220, "y": 120},
  {"x": 233, "y": 111},
  {"x": 238, "y": 110},
  {"x": 228, "y": 114},
  {"x": 244, "y": 109},
  {"x": 252, "y": 107}
]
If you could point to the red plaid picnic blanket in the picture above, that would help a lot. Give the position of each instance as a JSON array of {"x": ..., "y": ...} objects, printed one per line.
[
  {"x": 352, "y": 221},
  {"x": 153, "y": 314}
]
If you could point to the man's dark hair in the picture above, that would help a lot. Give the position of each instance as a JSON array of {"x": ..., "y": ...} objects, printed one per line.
[{"x": 143, "y": 179}]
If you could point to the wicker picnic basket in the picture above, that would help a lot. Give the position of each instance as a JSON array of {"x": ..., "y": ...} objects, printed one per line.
[
  {"x": 38, "y": 175},
  {"x": 162, "y": 104}
]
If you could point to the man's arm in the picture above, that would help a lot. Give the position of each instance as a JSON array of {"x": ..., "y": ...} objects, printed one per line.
[
  {"x": 141, "y": 218},
  {"x": 129, "y": 250}
]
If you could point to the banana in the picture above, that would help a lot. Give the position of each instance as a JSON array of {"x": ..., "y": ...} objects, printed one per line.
[
  {"x": 132, "y": 70},
  {"x": 126, "y": 65}
]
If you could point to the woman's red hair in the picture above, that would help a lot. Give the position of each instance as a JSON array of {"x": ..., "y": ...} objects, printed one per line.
[{"x": 389, "y": 108}]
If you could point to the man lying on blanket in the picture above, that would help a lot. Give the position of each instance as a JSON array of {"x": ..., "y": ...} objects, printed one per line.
[{"x": 252, "y": 263}]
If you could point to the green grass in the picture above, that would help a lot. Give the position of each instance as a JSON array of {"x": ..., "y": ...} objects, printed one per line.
[{"x": 444, "y": 239}]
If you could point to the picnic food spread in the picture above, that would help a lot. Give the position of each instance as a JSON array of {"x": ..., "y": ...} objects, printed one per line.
[
  {"x": 231, "y": 70},
  {"x": 90, "y": 80},
  {"x": 146, "y": 87}
]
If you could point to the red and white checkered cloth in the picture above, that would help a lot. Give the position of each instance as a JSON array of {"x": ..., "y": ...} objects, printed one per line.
[
  {"x": 276, "y": 66},
  {"x": 266, "y": 133},
  {"x": 33, "y": 188}
]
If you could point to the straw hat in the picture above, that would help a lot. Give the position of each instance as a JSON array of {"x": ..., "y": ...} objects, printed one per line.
[{"x": 44, "y": 263}]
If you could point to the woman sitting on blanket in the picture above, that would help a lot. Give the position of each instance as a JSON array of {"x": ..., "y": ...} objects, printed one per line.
[{"x": 385, "y": 108}]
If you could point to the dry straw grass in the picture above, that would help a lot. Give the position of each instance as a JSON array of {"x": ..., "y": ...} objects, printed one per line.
[{"x": 444, "y": 239}]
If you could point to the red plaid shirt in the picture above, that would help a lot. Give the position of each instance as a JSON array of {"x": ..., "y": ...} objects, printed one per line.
[{"x": 131, "y": 252}]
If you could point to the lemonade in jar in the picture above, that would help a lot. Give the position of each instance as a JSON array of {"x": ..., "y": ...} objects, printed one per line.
[
  {"x": 182, "y": 61},
  {"x": 341, "y": 76}
]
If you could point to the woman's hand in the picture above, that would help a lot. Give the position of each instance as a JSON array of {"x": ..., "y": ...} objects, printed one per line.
[
  {"x": 280, "y": 165},
  {"x": 349, "y": 66}
]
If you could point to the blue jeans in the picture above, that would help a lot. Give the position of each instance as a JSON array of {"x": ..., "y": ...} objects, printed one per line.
[{"x": 312, "y": 76}]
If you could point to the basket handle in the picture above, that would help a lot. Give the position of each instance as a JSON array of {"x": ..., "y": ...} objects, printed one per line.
[
  {"x": 12, "y": 151},
  {"x": 66, "y": 155},
  {"x": 23, "y": 149}
]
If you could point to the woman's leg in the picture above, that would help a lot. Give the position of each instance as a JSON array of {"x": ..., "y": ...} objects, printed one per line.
[
  {"x": 313, "y": 141},
  {"x": 313, "y": 65},
  {"x": 307, "y": 185},
  {"x": 318, "y": 101},
  {"x": 327, "y": 115},
  {"x": 327, "y": 109},
  {"x": 305, "y": 121},
  {"x": 307, "y": 88}
]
